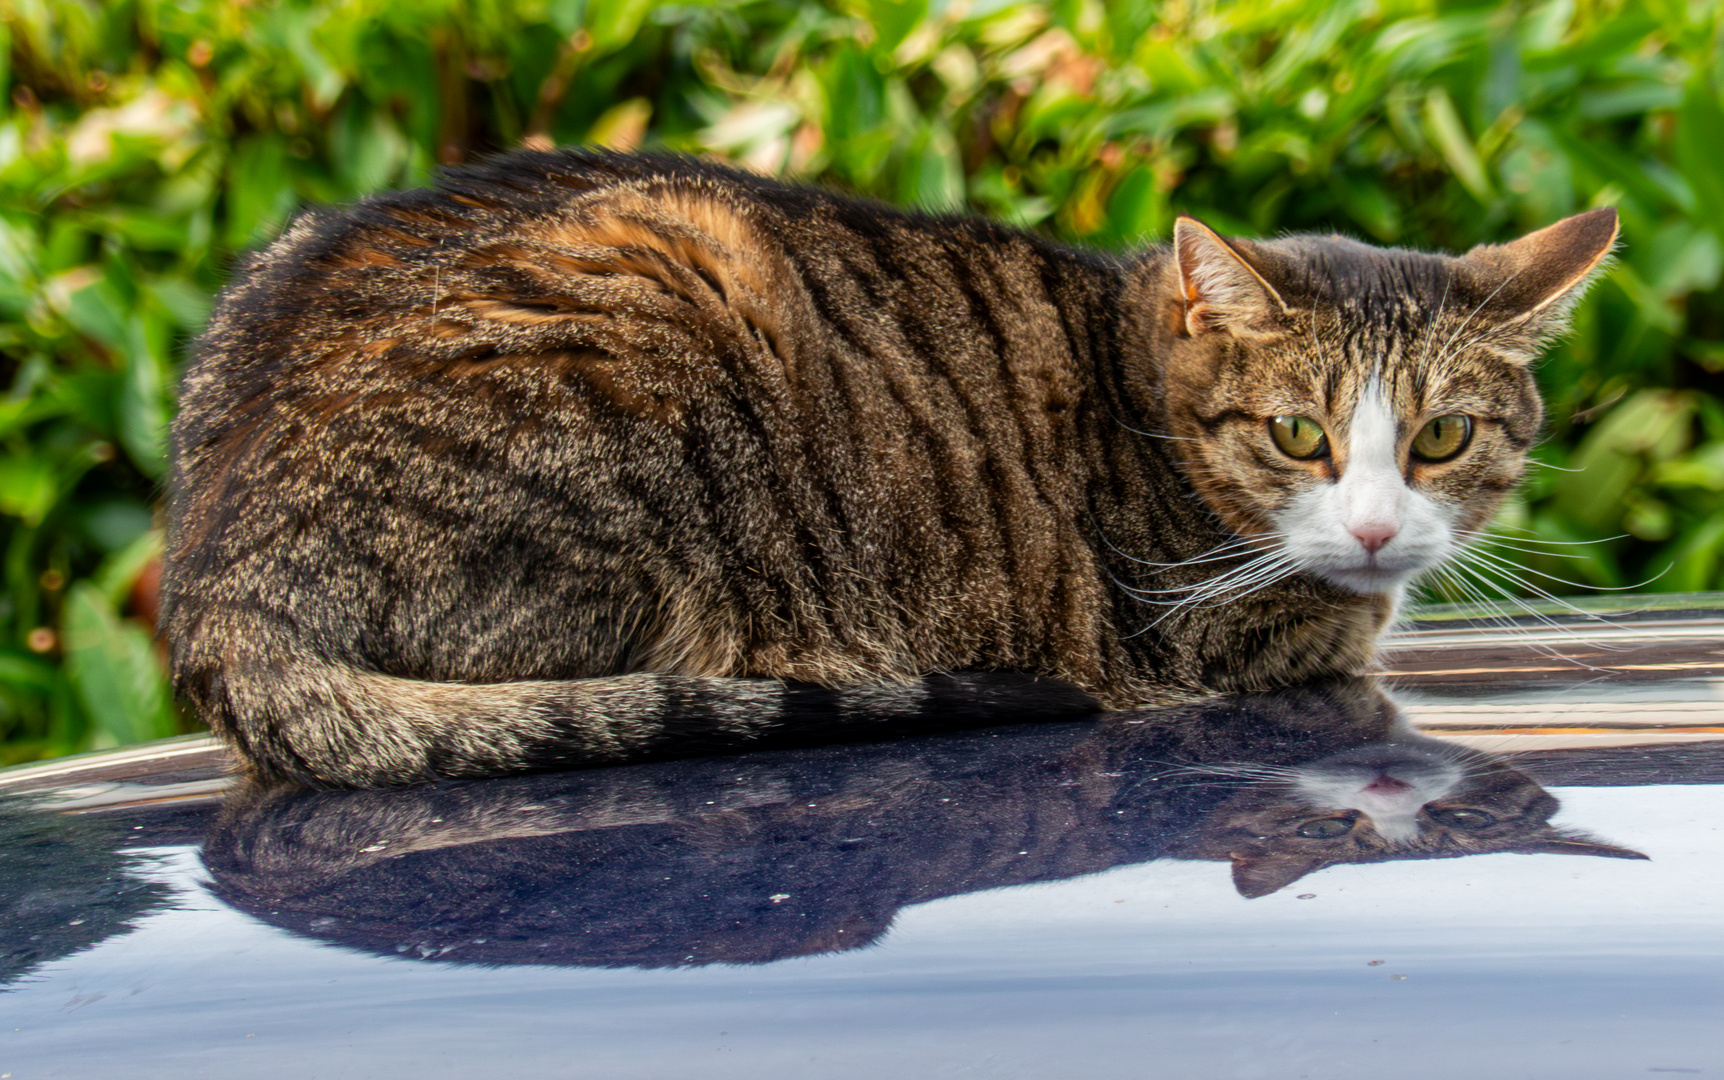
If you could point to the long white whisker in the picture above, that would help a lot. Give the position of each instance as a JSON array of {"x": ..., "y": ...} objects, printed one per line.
[
  {"x": 1533, "y": 538},
  {"x": 1509, "y": 566},
  {"x": 1223, "y": 580},
  {"x": 1480, "y": 571},
  {"x": 1264, "y": 584},
  {"x": 1229, "y": 550},
  {"x": 1496, "y": 542},
  {"x": 1450, "y": 575},
  {"x": 1154, "y": 434},
  {"x": 1262, "y": 573},
  {"x": 1214, "y": 587}
]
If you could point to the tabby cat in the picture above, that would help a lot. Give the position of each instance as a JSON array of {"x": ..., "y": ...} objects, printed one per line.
[{"x": 581, "y": 458}]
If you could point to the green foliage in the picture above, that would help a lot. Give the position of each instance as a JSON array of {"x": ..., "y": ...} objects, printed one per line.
[{"x": 143, "y": 143}]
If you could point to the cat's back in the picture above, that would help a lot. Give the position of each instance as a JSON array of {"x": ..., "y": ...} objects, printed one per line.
[
  {"x": 633, "y": 256},
  {"x": 599, "y": 388}
]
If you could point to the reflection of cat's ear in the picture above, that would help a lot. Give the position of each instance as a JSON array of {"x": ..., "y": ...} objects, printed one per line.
[
  {"x": 1218, "y": 287},
  {"x": 1540, "y": 277},
  {"x": 1558, "y": 844},
  {"x": 1260, "y": 875}
]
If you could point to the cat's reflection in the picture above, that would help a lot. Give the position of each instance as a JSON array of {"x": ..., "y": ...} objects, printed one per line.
[
  {"x": 775, "y": 854},
  {"x": 1404, "y": 797}
]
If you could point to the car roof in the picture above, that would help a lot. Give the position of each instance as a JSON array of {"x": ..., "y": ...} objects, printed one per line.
[{"x": 1034, "y": 900}]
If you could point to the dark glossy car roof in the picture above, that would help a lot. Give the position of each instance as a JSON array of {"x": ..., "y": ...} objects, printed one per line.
[{"x": 1157, "y": 893}]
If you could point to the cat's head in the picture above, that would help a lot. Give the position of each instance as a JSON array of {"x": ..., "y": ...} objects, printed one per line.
[
  {"x": 1408, "y": 797},
  {"x": 1361, "y": 409}
]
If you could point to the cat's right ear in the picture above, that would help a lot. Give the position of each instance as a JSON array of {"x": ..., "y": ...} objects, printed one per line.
[
  {"x": 1538, "y": 279},
  {"x": 1556, "y": 842},
  {"x": 1218, "y": 288}
]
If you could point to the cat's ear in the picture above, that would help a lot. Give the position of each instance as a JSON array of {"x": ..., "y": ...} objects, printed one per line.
[
  {"x": 1260, "y": 875},
  {"x": 1540, "y": 277},
  {"x": 1556, "y": 843},
  {"x": 1218, "y": 286}
]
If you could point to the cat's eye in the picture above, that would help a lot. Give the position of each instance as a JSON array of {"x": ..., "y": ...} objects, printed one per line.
[
  {"x": 1443, "y": 438},
  {"x": 1463, "y": 818},
  {"x": 1299, "y": 437},
  {"x": 1327, "y": 828}
]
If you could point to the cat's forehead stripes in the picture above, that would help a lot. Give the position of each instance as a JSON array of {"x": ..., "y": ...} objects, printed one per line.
[{"x": 1361, "y": 279}]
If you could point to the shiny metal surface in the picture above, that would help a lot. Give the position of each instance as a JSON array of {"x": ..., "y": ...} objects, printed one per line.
[{"x": 1129, "y": 896}]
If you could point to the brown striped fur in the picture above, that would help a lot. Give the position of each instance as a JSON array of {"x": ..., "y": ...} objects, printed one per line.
[{"x": 580, "y": 458}]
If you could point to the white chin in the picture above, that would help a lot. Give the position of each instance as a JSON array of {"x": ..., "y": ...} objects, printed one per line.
[{"x": 1370, "y": 581}]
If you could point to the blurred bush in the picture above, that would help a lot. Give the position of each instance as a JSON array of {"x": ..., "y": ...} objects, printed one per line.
[{"x": 143, "y": 142}]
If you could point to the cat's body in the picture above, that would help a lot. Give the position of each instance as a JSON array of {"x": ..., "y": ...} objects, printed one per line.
[{"x": 579, "y": 459}]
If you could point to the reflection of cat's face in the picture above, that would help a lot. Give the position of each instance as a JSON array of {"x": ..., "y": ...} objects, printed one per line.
[
  {"x": 1408, "y": 797},
  {"x": 1385, "y": 787}
]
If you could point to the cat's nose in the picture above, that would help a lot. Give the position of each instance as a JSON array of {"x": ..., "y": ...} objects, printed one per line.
[
  {"x": 1374, "y": 536},
  {"x": 1387, "y": 785}
]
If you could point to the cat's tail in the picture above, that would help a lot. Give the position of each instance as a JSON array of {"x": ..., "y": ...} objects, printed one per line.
[{"x": 328, "y": 725}]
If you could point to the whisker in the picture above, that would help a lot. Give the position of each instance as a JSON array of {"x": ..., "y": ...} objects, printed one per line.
[
  {"x": 1231, "y": 599},
  {"x": 1505, "y": 620},
  {"x": 1509, "y": 566},
  {"x": 1451, "y": 575},
  {"x": 1228, "y": 579},
  {"x": 1475, "y": 534},
  {"x": 1153, "y": 434},
  {"x": 1494, "y": 542},
  {"x": 1215, "y": 554},
  {"x": 1533, "y": 538}
]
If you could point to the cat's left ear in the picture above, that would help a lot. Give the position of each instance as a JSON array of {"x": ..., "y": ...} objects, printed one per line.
[
  {"x": 1260, "y": 875},
  {"x": 1219, "y": 288},
  {"x": 1539, "y": 278}
]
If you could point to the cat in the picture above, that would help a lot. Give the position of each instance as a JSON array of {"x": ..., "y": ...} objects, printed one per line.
[
  {"x": 760, "y": 857},
  {"x": 580, "y": 458}
]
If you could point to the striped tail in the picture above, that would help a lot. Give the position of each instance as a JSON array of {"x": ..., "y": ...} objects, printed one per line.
[{"x": 334, "y": 726}]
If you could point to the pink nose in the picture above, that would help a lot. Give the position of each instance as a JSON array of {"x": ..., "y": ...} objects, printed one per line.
[{"x": 1373, "y": 537}]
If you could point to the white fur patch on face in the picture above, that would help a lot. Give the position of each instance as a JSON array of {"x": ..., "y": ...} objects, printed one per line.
[
  {"x": 1387, "y": 782},
  {"x": 1367, "y": 530}
]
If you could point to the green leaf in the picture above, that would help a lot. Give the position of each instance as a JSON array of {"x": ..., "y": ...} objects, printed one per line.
[
  {"x": 1206, "y": 106},
  {"x": 120, "y": 571},
  {"x": 613, "y": 22},
  {"x": 22, "y": 672},
  {"x": 1700, "y": 150},
  {"x": 934, "y": 176},
  {"x": 369, "y": 149},
  {"x": 1370, "y": 205},
  {"x": 114, "y": 670},
  {"x": 259, "y": 195},
  {"x": 29, "y": 486},
  {"x": 892, "y": 20},
  {"x": 1443, "y": 126},
  {"x": 143, "y": 405},
  {"x": 186, "y": 303},
  {"x": 1696, "y": 559},
  {"x": 98, "y": 311},
  {"x": 1137, "y": 211}
]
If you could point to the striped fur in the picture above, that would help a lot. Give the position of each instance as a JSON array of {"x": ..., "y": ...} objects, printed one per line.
[{"x": 582, "y": 458}]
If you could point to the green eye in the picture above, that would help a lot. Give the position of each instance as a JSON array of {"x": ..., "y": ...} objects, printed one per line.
[
  {"x": 1327, "y": 828},
  {"x": 1469, "y": 820},
  {"x": 1443, "y": 438},
  {"x": 1299, "y": 437}
]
